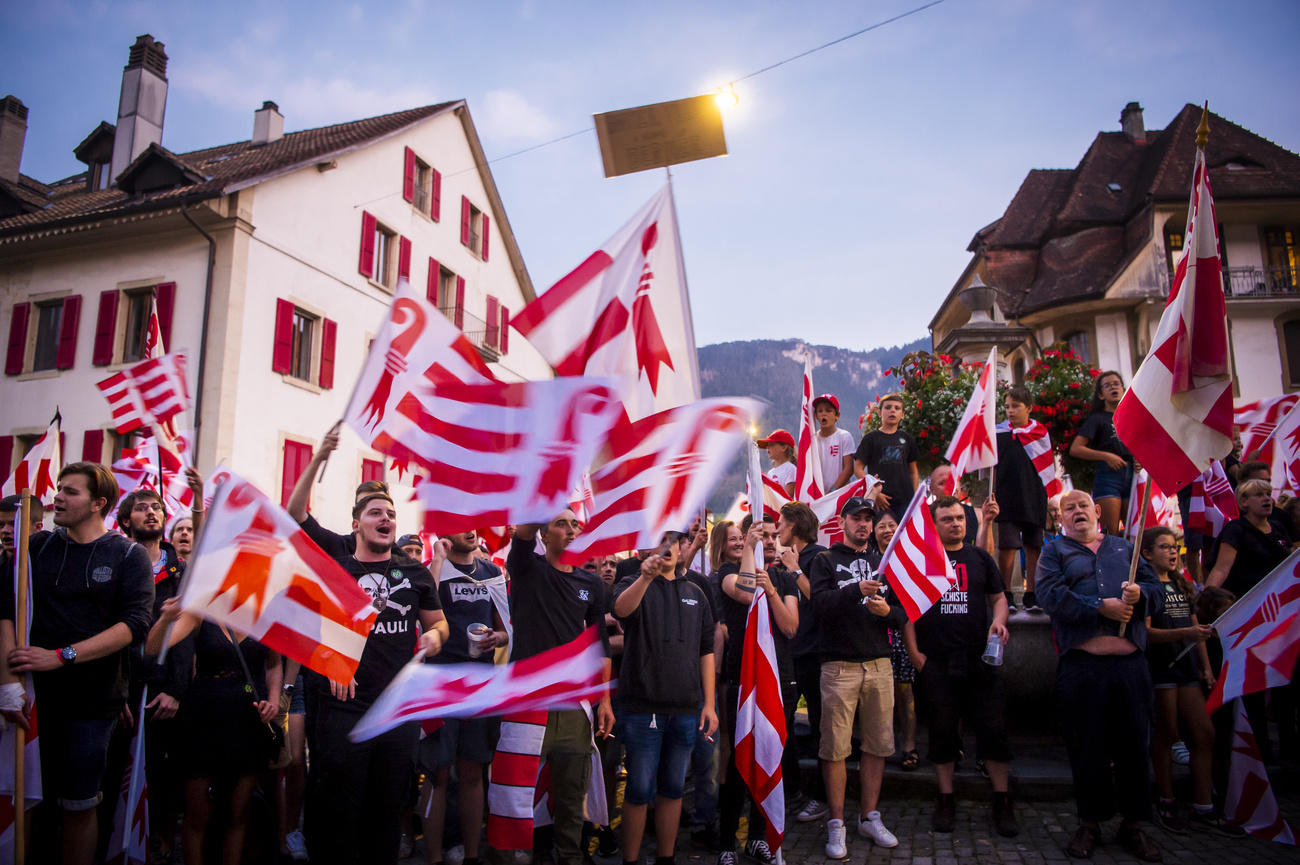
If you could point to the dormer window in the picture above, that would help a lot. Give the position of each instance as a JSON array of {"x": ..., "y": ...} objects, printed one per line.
[{"x": 97, "y": 176}]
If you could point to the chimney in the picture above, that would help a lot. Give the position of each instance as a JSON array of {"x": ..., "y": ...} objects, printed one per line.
[
  {"x": 1130, "y": 120},
  {"x": 13, "y": 132},
  {"x": 141, "y": 105},
  {"x": 268, "y": 124}
]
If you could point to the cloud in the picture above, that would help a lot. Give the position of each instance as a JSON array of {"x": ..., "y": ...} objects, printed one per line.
[{"x": 507, "y": 115}]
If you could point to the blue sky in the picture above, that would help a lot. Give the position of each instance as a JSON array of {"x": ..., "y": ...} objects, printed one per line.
[{"x": 856, "y": 177}]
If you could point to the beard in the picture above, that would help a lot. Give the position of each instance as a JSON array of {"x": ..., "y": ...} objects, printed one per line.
[{"x": 146, "y": 535}]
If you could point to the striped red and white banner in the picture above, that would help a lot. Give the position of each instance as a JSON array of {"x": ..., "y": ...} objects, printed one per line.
[
  {"x": 150, "y": 392},
  {"x": 760, "y": 720},
  {"x": 915, "y": 563}
]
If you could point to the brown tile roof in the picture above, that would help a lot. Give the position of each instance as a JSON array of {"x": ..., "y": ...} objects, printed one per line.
[
  {"x": 1029, "y": 216},
  {"x": 221, "y": 169}
]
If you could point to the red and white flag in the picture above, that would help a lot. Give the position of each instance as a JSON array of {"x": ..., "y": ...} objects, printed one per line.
[
  {"x": 1286, "y": 452},
  {"x": 1249, "y": 801},
  {"x": 38, "y": 471},
  {"x": 1260, "y": 635},
  {"x": 1213, "y": 502},
  {"x": 1257, "y": 420},
  {"x": 1177, "y": 414},
  {"x": 417, "y": 347},
  {"x": 915, "y": 562},
  {"x": 153, "y": 341},
  {"x": 129, "y": 844},
  {"x": 760, "y": 720},
  {"x": 624, "y": 312},
  {"x": 827, "y": 508},
  {"x": 559, "y": 678},
  {"x": 657, "y": 472},
  {"x": 808, "y": 466},
  {"x": 975, "y": 442},
  {"x": 256, "y": 571},
  {"x": 1037, "y": 442},
  {"x": 503, "y": 454},
  {"x": 1162, "y": 510},
  {"x": 150, "y": 392}
]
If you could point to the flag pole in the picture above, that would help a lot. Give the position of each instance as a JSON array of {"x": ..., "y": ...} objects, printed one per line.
[
  {"x": 23, "y": 543},
  {"x": 1137, "y": 541},
  {"x": 334, "y": 429}
]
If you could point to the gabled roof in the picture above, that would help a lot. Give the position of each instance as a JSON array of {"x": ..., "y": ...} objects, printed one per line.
[
  {"x": 98, "y": 145},
  {"x": 25, "y": 196},
  {"x": 155, "y": 169}
]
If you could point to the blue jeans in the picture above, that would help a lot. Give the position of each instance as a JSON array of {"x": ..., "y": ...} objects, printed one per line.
[
  {"x": 704, "y": 766},
  {"x": 658, "y": 750}
]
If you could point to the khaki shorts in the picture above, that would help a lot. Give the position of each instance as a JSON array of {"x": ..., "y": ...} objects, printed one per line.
[{"x": 866, "y": 687}]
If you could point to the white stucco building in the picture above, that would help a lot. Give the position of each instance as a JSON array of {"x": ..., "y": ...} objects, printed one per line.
[{"x": 272, "y": 260}]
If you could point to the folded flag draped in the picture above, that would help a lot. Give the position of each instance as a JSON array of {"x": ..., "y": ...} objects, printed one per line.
[
  {"x": 1260, "y": 635},
  {"x": 915, "y": 563},
  {"x": 1037, "y": 442},
  {"x": 808, "y": 466},
  {"x": 975, "y": 444},
  {"x": 1250, "y": 802},
  {"x": 38, "y": 470},
  {"x": 760, "y": 720},
  {"x": 257, "y": 572}
]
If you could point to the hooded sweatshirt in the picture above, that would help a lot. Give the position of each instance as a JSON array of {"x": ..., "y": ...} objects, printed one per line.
[
  {"x": 663, "y": 641},
  {"x": 849, "y": 630}
]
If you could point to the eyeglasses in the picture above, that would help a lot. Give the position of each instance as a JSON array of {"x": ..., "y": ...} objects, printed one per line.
[{"x": 1166, "y": 547}]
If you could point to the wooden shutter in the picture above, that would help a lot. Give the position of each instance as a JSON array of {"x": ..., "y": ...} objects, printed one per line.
[
  {"x": 435, "y": 200},
  {"x": 296, "y": 457},
  {"x": 493, "y": 317},
  {"x": 464, "y": 220},
  {"x": 487, "y": 225},
  {"x": 67, "y": 354},
  {"x": 505, "y": 330},
  {"x": 92, "y": 446},
  {"x": 105, "y": 328},
  {"x": 435, "y": 273},
  {"x": 6, "y": 455},
  {"x": 458, "y": 315},
  {"x": 282, "y": 350},
  {"x": 165, "y": 296},
  {"x": 328, "y": 336},
  {"x": 372, "y": 470},
  {"x": 17, "y": 339},
  {"x": 408, "y": 176},
  {"x": 404, "y": 257},
  {"x": 366, "y": 266}
]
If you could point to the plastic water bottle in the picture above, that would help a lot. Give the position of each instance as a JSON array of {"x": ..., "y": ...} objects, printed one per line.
[{"x": 993, "y": 651}]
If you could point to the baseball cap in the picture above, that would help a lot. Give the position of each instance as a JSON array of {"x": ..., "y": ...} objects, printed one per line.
[
  {"x": 11, "y": 503},
  {"x": 409, "y": 539},
  {"x": 856, "y": 505},
  {"x": 778, "y": 437},
  {"x": 827, "y": 397}
]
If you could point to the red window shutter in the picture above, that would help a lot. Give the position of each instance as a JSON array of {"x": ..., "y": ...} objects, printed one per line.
[
  {"x": 6, "y": 455},
  {"x": 372, "y": 470},
  {"x": 458, "y": 316},
  {"x": 67, "y": 354},
  {"x": 404, "y": 257},
  {"x": 493, "y": 317},
  {"x": 105, "y": 328},
  {"x": 435, "y": 200},
  {"x": 63, "y": 446},
  {"x": 328, "y": 336},
  {"x": 165, "y": 296},
  {"x": 17, "y": 339},
  {"x": 487, "y": 225},
  {"x": 92, "y": 446},
  {"x": 435, "y": 274},
  {"x": 408, "y": 176},
  {"x": 282, "y": 351},
  {"x": 367, "y": 264},
  {"x": 464, "y": 220},
  {"x": 505, "y": 330},
  {"x": 296, "y": 457}
]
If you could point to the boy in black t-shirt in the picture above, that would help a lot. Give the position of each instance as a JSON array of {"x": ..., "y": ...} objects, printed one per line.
[
  {"x": 945, "y": 645},
  {"x": 1021, "y": 496},
  {"x": 890, "y": 454}
]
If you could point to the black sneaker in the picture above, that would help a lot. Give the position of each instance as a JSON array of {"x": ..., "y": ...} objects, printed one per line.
[
  {"x": 706, "y": 837},
  {"x": 608, "y": 842},
  {"x": 1212, "y": 821},
  {"x": 944, "y": 818},
  {"x": 1004, "y": 816},
  {"x": 1029, "y": 603},
  {"x": 1169, "y": 817}
]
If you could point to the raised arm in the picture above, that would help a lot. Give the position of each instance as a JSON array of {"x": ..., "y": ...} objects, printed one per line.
[{"x": 301, "y": 494}]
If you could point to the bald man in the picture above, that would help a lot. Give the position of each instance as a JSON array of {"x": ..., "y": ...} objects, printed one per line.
[{"x": 1103, "y": 683}]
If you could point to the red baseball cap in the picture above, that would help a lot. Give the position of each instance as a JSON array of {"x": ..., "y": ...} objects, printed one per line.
[
  {"x": 827, "y": 397},
  {"x": 778, "y": 437}
]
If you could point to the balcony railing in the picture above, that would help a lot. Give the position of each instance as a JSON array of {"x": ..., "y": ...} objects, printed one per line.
[
  {"x": 1272, "y": 281},
  {"x": 475, "y": 330}
]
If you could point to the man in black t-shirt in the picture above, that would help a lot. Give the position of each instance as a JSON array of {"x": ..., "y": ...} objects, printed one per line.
[
  {"x": 357, "y": 790},
  {"x": 890, "y": 454},
  {"x": 945, "y": 645}
]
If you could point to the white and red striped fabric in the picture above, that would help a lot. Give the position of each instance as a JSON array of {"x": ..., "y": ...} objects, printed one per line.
[
  {"x": 153, "y": 341},
  {"x": 513, "y": 781},
  {"x": 624, "y": 312},
  {"x": 257, "y": 572},
  {"x": 129, "y": 843},
  {"x": 1249, "y": 801},
  {"x": 1213, "y": 502},
  {"x": 1257, "y": 420},
  {"x": 1162, "y": 510},
  {"x": 38, "y": 471},
  {"x": 417, "y": 347},
  {"x": 500, "y": 454},
  {"x": 151, "y": 392},
  {"x": 1037, "y": 442},
  {"x": 157, "y": 468},
  {"x": 827, "y": 509},
  {"x": 808, "y": 467},
  {"x": 974, "y": 443},
  {"x": 559, "y": 678},
  {"x": 1177, "y": 413},
  {"x": 1286, "y": 452},
  {"x": 760, "y": 720},
  {"x": 656, "y": 474},
  {"x": 1260, "y": 636},
  {"x": 582, "y": 501},
  {"x": 915, "y": 563},
  {"x": 31, "y": 749}
]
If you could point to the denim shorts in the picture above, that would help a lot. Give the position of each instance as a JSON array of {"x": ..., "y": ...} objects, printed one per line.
[
  {"x": 659, "y": 750},
  {"x": 1112, "y": 483},
  {"x": 297, "y": 699},
  {"x": 74, "y": 758}
]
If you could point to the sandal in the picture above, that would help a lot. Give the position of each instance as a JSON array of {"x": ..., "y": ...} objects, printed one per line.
[{"x": 911, "y": 760}]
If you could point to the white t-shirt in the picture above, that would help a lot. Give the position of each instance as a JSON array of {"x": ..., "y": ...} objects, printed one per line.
[
  {"x": 783, "y": 474},
  {"x": 832, "y": 449}
]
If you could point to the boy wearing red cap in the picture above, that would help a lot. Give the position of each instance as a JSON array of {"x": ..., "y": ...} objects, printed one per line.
[
  {"x": 780, "y": 450},
  {"x": 834, "y": 445}
]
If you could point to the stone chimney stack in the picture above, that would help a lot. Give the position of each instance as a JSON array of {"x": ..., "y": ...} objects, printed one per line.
[
  {"x": 268, "y": 124},
  {"x": 142, "y": 103},
  {"x": 13, "y": 132},
  {"x": 1130, "y": 120}
]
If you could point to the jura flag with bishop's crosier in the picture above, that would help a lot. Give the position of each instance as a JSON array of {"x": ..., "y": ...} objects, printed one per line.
[
  {"x": 1257, "y": 420},
  {"x": 975, "y": 443},
  {"x": 1250, "y": 802},
  {"x": 1286, "y": 447},
  {"x": 1177, "y": 414},
  {"x": 624, "y": 312},
  {"x": 1260, "y": 635},
  {"x": 256, "y": 571}
]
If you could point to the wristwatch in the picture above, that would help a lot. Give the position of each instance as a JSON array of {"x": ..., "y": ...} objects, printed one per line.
[{"x": 67, "y": 655}]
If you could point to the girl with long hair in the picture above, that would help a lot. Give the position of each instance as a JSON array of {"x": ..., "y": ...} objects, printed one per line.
[{"x": 1097, "y": 440}]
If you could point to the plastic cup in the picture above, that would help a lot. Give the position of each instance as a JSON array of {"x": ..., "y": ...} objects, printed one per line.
[
  {"x": 993, "y": 652},
  {"x": 478, "y": 635}
]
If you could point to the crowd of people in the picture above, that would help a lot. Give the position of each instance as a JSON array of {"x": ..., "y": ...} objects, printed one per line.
[{"x": 249, "y": 755}]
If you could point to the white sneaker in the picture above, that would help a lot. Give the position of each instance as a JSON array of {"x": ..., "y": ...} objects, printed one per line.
[
  {"x": 296, "y": 845},
  {"x": 872, "y": 828},
  {"x": 454, "y": 856},
  {"x": 1181, "y": 755},
  {"x": 836, "y": 848},
  {"x": 812, "y": 810}
]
